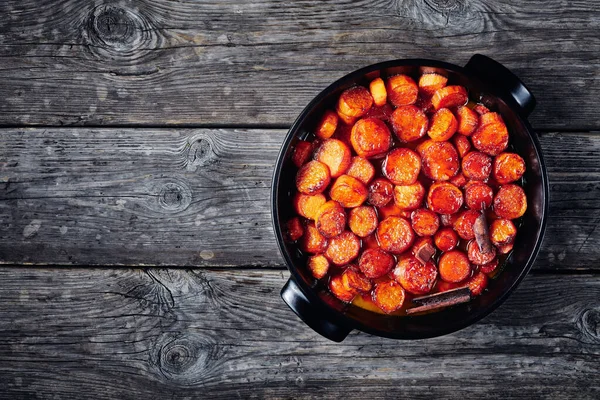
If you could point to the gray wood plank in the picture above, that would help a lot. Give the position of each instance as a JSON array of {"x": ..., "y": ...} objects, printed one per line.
[
  {"x": 103, "y": 334},
  {"x": 260, "y": 62},
  {"x": 189, "y": 197}
]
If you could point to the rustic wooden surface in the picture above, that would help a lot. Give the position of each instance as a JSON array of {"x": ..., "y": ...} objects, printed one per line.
[{"x": 180, "y": 110}]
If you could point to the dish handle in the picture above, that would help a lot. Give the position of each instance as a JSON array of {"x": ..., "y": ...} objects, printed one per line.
[
  {"x": 503, "y": 81},
  {"x": 313, "y": 317}
]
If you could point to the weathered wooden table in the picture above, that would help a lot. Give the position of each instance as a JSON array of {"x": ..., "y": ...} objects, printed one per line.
[{"x": 136, "y": 151}]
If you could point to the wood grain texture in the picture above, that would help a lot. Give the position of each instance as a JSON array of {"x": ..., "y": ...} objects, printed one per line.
[
  {"x": 105, "y": 334},
  {"x": 260, "y": 62},
  {"x": 201, "y": 197}
]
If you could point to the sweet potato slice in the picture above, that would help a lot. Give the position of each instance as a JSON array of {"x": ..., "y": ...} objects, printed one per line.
[
  {"x": 425, "y": 222},
  {"x": 415, "y": 277},
  {"x": 401, "y": 90},
  {"x": 343, "y": 248},
  {"x": 477, "y": 257},
  {"x": 477, "y": 166},
  {"x": 480, "y": 109},
  {"x": 510, "y": 202},
  {"x": 454, "y": 266},
  {"x": 375, "y": 263},
  {"x": 370, "y": 137},
  {"x": 491, "y": 138},
  {"x": 395, "y": 234},
  {"x": 378, "y": 91},
  {"x": 330, "y": 219},
  {"x": 468, "y": 120},
  {"x": 431, "y": 82},
  {"x": 449, "y": 219},
  {"x": 313, "y": 242},
  {"x": 478, "y": 196},
  {"x": 363, "y": 221},
  {"x": 445, "y": 239},
  {"x": 490, "y": 118},
  {"x": 402, "y": 166},
  {"x": 449, "y": 96},
  {"x": 355, "y": 280},
  {"x": 464, "y": 224},
  {"x": 293, "y": 229},
  {"x": 327, "y": 125},
  {"x": 444, "y": 198},
  {"x": 458, "y": 180},
  {"x": 389, "y": 296},
  {"x": 502, "y": 232},
  {"x": 313, "y": 178},
  {"x": 336, "y": 286},
  {"x": 505, "y": 248},
  {"x": 489, "y": 267},
  {"x": 307, "y": 205},
  {"x": 409, "y": 197},
  {"x": 477, "y": 283},
  {"x": 392, "y": 210},
  {"x": 336, "y": 155},
  {"x": 302, "y": 152},
  {"x": 346, "y": 119},
  {"x": 440, "y": 160},
  {"x": 354, "y": 102},
  {"x": 409, "y": 123},
  {"x": 443, "y": 286},
  {"x": 443, "y": 125},
  {"x": 361, "y": 169},
  {"x": 348, "y": 191},
  {"x": 508, "y": 167},
  {"x": 381, "y": 192},
  {"x": 462, "y": 144},
  {"x": 318, "y": 265}
]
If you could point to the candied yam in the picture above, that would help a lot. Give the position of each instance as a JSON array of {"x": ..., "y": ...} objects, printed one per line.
[
  {"x": 343, "y": 248},
  {"x": 383, "y": 113},
  {"x": 307, "y": 205},
  {"x": 353, "y": 280},
  {"x": 478, "y": 196},
  {"x": 363, "y": 221},
  {"x": 448, "y": 219},
  {"x": 336, "y": 155},
  {"x": 318, "y": 265},
  {"x": 449, "y": 96},
  {"x": 346, "y": 119},
  {"x": 378, "y": 91},
  {"x": 381, "y": 192},
  {"x": 313, "y": 178},
  {"x": 505, "y": 248},
  {"x": 330, "y": 219},
  {"x": 468, "y": 120},
  {"x": 443, "y": 286},
  {"x": 348, "y": 191},
  {"x": 510, "y": 202},
  {"x": 293, "y": 229},
  {"x": 477, "y": 166},
  {"x": 491, "y": 139},
  {"x": 464, "y": 224},
  {"x": 313, "y": 242},
  {"x": 336, "y": 286},
  {"x": 327, "y": 125},
  {"x": 444, "y": 198},
  {"x": 489, "y": 267},
  {"x": 431, "y": 82},
  {"x": 415, "y": 277},
  {"x": 477, "y": 257},
  {"x": 409, "y": 197},
  {"x": 354, "y": 102},
  {"x": 395, "y": 234},
  {"x": 361, "y": 169},
  {"x": 402, "y": 90},
  {"x": 402, "y": 166},
  {"x": 443, "y": 125},
  {"x": 446, "y": 239},
  {"x": 440, "y": 160},
  {"x": 454, "y": 266},
  {"x": 424, "y": 222},
  {"x": 370, "y": 137},
  {"x": 508, "y": 167},
  {"x": 480, "y": 109},
  {"x": 375, "y": 263},
  {"x": 502, "y": 232},
  {"x": 409, "y": 123},
  {"x": 490, "y": 118},
  {"x": 393, "y": 210},
  {"x": 389, "y": 296},
  {"x": 477, "y": 283},
  {"x": 462, "y": 144},
  {"x": 459, "y": 180},
  {"x": 302, "y": 152}
]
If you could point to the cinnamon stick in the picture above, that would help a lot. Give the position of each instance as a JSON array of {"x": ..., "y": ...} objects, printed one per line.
[
  {"x": 441, "y": 300},
  {"x": 482, "y": 234}
]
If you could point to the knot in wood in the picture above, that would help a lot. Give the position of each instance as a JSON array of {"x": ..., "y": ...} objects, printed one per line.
[
  {"x": 589, "y": 324},
  {"x": 199, "y": 153},
  {"x": 113, "y": 26},
  {"x": 445, "y": 6},
  {"x": 174, "y": 197}
]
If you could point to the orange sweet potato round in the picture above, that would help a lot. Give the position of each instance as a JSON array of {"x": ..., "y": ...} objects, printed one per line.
[
  {"x": 444, "y": 198},
  {"x": 425, "y": 222},
  {"x": 477, "y": 166},
  {"x": 330, "y": 219},
  {"x": 449, "y": 96},
  {"x": 378, "y": 91},
  {"x": 502, "y": 231},
  {"x": 464, "y": 224},
  {"x": 477, "y": 257},
  {"x": 381, "y": 192},
  {"x": 336, "y": 286},
  {"x": 480, "y": 109},
  {"x": 505, "y": 248},
  {"x": 458, "y": 180},
  {"x": 510, "y": 202},
  {"x": 354, "y": 280},
  {"x": 313, "y": 178},
  {"x": 449, "y": 219},
  {"x": 302, "y": 152},
  {"x": 468, "y": 120},
  {"x": 318, "y": 265},
  {"x": 375, "y": 263},
  {"x": 489, "y": 267},
  {"x": 445, "y": 239},
  {"x": 431, "y": 82},
  {"x": 440, "y": 160},
  {"x": 462, "y": 143},
  {"x": 395, "y": 234},
  {"x": 307, "y": 205},
  {"x": 508, "y": 167},
  {"x": 477, "y": 283},
  {"x": 389, "y": 296},
  {"x": 355, "y": 102},
  {"x": 343, "y": 248},
  {"x": 363, "y": 221},
  {"x": 443, "y": 125},
  {"x": 348, "y": 191},
  {"x": 401, "y": 90},
  {"x": 409, "y": 123},
  {"x": 336, "y": 155},
  {"x": 415, "y": 277},
  {"x": 327, "y": 125},
  {"x": 478, "y": 196},
  {"x": 370, "y": 137},
  {"x": 294, "y": 229},
  {"x": 454, "y": 266},
  {"x": 361, "y": 169},
  {"x": 402, "y": 166},
  {"x": 491, "y": 138},
  {"x": 409, "y": 197},
  {"x": 313, "y": 242}
]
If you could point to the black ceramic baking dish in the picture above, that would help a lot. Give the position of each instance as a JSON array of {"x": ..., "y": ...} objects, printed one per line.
[{"x": 494, "y": 86}]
